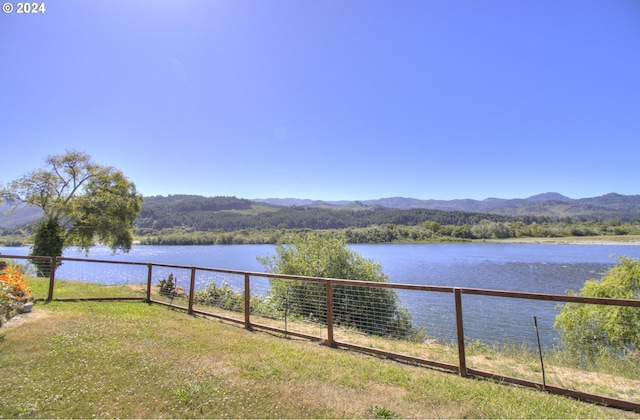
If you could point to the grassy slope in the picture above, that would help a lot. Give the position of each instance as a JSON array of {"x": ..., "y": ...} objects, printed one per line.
[{"x": 131, "y": 359}]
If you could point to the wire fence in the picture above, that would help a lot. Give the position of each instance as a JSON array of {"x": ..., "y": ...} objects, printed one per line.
[{"x": 453, "y": 329}]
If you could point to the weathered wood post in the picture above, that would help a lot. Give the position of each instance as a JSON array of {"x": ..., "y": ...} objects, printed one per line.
[
  {"x": 149, "y": 276},
  {"x": 329, "y": 288},
  {"x": 460, "y": 327},
  {"x": 247, "y": 301},
  {"x": 192, "y": 291},
  {"x": 52, "y": 277}
]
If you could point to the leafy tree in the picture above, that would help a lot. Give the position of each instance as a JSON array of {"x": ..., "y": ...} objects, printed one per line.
[
  {"x": 82, "y": 203},
  {"x": 482, "y": 230},
  {"x": 594, "y": 330},
  {"x": 369, "y": 309},
  {"x": 463, "y": 231}
]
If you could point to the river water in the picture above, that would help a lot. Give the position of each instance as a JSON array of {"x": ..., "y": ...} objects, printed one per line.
[{"x": 540, "y": 268}]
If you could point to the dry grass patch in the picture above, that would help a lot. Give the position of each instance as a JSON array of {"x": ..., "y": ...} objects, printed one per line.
[{"x": 572, "y": 378}]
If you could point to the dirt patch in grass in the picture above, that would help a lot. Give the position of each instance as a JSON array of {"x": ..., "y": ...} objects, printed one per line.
[
  {"x": 346, "y": 401},
  {"x": 32, "y": 316}
]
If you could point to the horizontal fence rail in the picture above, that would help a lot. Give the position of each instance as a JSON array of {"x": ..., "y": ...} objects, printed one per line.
[{"x": 332, "y": 311}]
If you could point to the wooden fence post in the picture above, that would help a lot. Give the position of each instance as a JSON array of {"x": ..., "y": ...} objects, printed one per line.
[
  {"x": 247, "y": 302},
  {"x": 149, "y": 271},
  {"x": 460, "y": 327},
  {"x": 192, "y": 291},
  {"x": 329, "y": 287},
  {"x": 52, "y": 277}
]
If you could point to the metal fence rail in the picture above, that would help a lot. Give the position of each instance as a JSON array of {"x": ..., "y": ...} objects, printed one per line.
[{"x": 329, "y": 311}]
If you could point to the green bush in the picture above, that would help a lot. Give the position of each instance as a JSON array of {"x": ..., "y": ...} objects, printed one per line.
[
  {"x": 223, "y": 297},
  {"x": 591, "y": 331},
  {"x": 372, "y": 310}
]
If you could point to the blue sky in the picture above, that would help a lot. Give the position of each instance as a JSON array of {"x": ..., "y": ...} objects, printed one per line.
[{"x": 328, "y": 99}]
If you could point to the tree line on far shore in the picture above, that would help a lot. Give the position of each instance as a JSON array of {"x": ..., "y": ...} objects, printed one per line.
[
  {"x": 427, "y": 231},
  {"x": 84, "y": 203}
]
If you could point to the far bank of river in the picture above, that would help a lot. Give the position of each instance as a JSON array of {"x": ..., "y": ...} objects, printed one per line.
[
  {"x": 572, "y": 240},
  {"x": 527, "y": 267}
]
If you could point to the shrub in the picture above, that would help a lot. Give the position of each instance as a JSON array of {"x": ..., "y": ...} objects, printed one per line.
[
  {"x": 168, "y": 286},
  {"x": 371, "y": 310},
  {"x": 224, "y": 297},
  {"x": 590, "y": 331}
]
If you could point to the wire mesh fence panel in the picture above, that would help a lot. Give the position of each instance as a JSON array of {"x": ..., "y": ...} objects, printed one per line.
[
  {"x": 171, "y": 285},
  {"x": 598, "y": 351},
  {"x": 36, "y": 269},
  {"x": 101, "y": 280},
  {"x": 259, "y": 288},
  {"x": 433, "y": 315},
  {"x": 506, "y": 342},
  {"x": 370, "y": 310},
  {"x": 25, "y": 264},
  {"x": 432, "y": 311},
  {"x": 219, "y": 293},
  {"x": 415, "y": 323},
  {"x": 580, "y": 347},
  {"x": 263, "y": 309},
  {"x": 295, "y": 306}
]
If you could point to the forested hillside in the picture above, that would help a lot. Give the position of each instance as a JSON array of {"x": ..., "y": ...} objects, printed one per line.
[
  {"x": 624, "y": 208},
  {"x": 161, "y": 212},
  {"x": 226, "y": 214},
  {"x": 182, "y": 221},
  {"x": 231, "y": 214}
]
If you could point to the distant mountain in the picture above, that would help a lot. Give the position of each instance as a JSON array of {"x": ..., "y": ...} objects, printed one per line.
[
  {"x": 551, "y": 204},
  {"x": 288, "y": 202},
  {"x": 550, "y": 196},
  {"x": 413, "y": 203},
  {"x": 19, "y": 217},
  {"x": 228, "y": 213},
  {"x": 488, "y": 205}
]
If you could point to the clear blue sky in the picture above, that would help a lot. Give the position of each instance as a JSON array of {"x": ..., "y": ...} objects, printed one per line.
[{"x": 330, "y": 99}]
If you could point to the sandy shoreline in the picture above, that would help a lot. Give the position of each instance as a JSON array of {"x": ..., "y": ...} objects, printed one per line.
[{"x": 572, "y": 240}]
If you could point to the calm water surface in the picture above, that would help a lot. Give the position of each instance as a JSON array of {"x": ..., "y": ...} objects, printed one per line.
[{"x": 541, "y": 268}]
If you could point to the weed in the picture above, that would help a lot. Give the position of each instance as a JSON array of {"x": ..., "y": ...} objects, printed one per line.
[{"x": 379, "y": 412}]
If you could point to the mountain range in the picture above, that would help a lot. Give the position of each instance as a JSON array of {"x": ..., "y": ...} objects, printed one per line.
[
  {"x": 624, "y": 208},
  {"x": 411, "y": 203},
  {"x": 551, "y": 204}
]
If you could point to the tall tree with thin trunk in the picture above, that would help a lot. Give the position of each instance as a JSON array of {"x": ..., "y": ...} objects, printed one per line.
[{"x": 82, "y": 202}]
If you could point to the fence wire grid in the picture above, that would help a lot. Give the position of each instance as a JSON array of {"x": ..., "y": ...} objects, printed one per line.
[{"x": 527, "y": 348}]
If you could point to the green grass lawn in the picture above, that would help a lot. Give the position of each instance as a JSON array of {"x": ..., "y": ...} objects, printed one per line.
[{"x": 135, "y": 360}]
